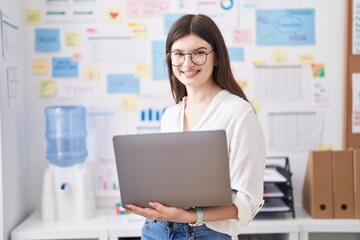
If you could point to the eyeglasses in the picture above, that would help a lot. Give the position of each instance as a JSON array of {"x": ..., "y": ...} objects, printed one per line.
[{"x": 198, "y": 57}]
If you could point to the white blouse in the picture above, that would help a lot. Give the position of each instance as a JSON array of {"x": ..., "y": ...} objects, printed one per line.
[{"x": 247, "y": 152}]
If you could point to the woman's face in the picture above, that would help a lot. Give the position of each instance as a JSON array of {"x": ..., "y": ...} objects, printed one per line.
[{"x": 189, "y": 73}]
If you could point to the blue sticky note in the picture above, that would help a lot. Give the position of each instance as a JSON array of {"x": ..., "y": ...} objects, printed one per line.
[
  {"x": 236, "y": 54},
  {"x": 122, "y": 83},
  {"x": 159, "y": 71},
  {"x": 47, "y": 40},
  {"x": 169, "y": 19},
  {"x": 285, "y": 27},
  {"x": 64, "y": 67}
]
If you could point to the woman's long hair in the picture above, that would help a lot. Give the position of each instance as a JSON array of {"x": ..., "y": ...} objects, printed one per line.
[{"x": 205, "y": 28}]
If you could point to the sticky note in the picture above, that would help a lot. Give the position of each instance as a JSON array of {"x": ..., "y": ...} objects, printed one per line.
[
  {"x": 279, "y": 57},
  {"x": 243, "y": 83},
  {"x": 46, "y": 88},
  {"x": 318, "y": 70},
  {"x": 142, "y": 70},
  {"x": 236, "y": 54},
  {"x": 306, "y": 59},
  {"x": 72, "y": 40},
  {"x": 91, "y": 73},
  {"x": 40, "y": 66},
  {"x": 47, "y": 40},
  {"x": 256, "y": 105},
  {"x": 325, "y": 147},
  {"x": 64, "y": 67},
  {"x": 139, "y": 30},
  {"x": 243, "y": 37},
  {"x": 32, "y": 17},
  {"x": 128, "y": 103},
  {"x": 122, "y": 83}
]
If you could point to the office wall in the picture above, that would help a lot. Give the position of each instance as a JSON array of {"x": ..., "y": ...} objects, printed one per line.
[
  {"x": 121, "y": 79},
  {"x": 16, "y": 193}
]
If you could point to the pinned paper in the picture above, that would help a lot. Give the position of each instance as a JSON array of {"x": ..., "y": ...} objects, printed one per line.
[
  {"x": 46, "y": 88},
  {"x": 64, "y": 67},
  {"x": 242, "y": 37},
  {"x": 146, "y": 9},
  {"x": 72, "y": 40},
  {"x": 139, "y": 30},
  {"x": 243, "y": 83},
  {"x": 325, "y": 147},
  {"x": 256, "y": 105},
  {"x": 40, "y": 66},
  {"x": 122, "y": 83},
  {"x": 318, "y": 70},
  {"x": 306, "y": 59},
  {"x": 279, "y": 57},
  {"x": 320, "y": 92},
  {"x": 47, "y": 40},
  {"x": 128, "y": 103},
  {"x": 32, "y": 17},
  {"x": 91, "y": 73},
  {"x": 236, "y": 54},
  {"x": 113, "y": 15},
  {"x": 142, "y": 70}
]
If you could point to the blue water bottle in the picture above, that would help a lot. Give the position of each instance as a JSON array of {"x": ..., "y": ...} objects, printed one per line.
[{"x": 66, "y": 135}]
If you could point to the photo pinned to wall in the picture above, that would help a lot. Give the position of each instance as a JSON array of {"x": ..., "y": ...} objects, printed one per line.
[{"x": 10, "y": 37}]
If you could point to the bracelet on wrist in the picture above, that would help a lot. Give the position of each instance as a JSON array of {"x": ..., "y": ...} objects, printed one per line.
[{"x": 199, "y": 217}]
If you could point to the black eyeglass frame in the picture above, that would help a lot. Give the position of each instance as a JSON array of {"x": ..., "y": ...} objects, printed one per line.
[{"x": 190, "y": 54}]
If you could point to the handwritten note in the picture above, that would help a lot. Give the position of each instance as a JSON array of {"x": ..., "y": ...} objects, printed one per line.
[
  {"x": 46, "y": 88},
  {"x": 92, "y": 74},
  {"x": 147, "y": 8},
  {"x": 64, "y": 67},
  {"x": 243, "y": 37},
  {"x": 47, "y": 40},
  {"x": 40, "y": 66},
  {"x": 78, "y": 90},
  {"x": 72, "y": 39},
  {"x": 32, "y": 17}
]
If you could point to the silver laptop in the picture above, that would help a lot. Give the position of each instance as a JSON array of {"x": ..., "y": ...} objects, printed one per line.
[{"x": 181, "y": 169}]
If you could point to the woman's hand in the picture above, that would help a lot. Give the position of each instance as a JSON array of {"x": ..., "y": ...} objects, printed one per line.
[{"x": 161, "y": 212}]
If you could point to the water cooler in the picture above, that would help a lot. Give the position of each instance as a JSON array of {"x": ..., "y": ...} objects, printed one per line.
[{"x": 68, "y": 189}]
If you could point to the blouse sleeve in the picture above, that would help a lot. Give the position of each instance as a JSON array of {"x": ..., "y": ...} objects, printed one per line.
[{"x": 247, "y": 166}]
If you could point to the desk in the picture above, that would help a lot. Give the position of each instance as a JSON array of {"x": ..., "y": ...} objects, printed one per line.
[
  {"x": 108, "y": 226},
  {"x": 33, "y": 228}
]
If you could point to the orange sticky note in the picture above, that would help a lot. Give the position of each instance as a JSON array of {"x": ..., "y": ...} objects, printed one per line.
[{"x": 40, "y": 66}]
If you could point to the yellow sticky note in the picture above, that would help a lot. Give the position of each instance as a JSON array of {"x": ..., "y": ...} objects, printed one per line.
[
  {"x": 279, "y": 57},
  {"x": 72, "y": 40},
  {"x": 306, "y": 59},
  {"x": 46, "y": 88},
  {"x": 325, "y": 147},
  {"x": 139, "y": 30},
  {"x": 92, "y": 73},
  {"x": 243, "y": 83},
  {"x": 128, "y": 103},
  {"x": 113, "y": 15},
  {"x": 142, "y": 70},
  {"x": 258, "y": 62},
  {"x": 32, "y": 17},
  {"x": 40, "y": 66},
  {"x": 256, "y": 105}
]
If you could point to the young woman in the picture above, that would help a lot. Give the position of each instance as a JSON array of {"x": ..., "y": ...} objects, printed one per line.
[{"x": 208, "y": 98}]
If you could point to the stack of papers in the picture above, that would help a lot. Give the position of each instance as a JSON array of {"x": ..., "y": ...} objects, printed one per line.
[
  {"x": 273, "y": 175},
  {"x": 271, "y": 190},
  {"x": 274, "y": 205}
]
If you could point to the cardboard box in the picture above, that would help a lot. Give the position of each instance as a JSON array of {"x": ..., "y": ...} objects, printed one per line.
[
  {"x": 343, "y": 182},
  {"x": 318, "y": 187},
  {"x": 357, "y": 182}
]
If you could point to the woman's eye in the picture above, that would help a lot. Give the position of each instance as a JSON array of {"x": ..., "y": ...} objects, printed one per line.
[
  {"x": 199, "y": 53},
  {"x": 178, "y": 54}
]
